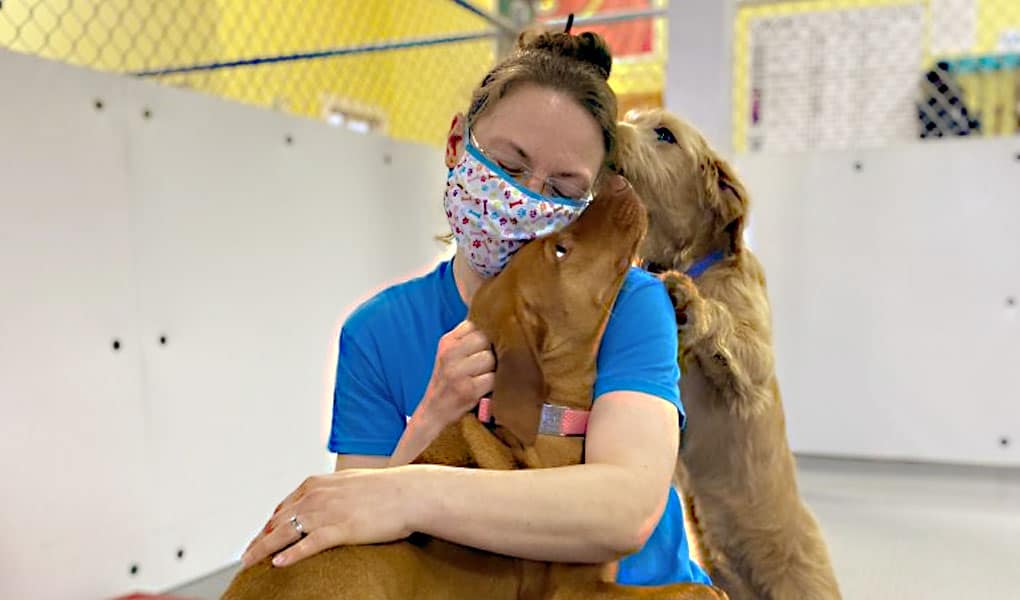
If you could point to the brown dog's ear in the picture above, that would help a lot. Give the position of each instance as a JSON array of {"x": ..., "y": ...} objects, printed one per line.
[
  {"x": 520, "y": 389},
  {"x": 732, "y": 204}
]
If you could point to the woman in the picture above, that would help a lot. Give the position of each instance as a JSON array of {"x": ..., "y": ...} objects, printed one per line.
[{"x": 544, "y": 120}]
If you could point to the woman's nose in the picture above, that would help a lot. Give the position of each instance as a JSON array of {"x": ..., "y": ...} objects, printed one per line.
[{"x": 534, "y": 183}]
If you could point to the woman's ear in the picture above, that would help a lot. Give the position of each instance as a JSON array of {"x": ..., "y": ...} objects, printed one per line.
[{"x": 455, "y": 141}]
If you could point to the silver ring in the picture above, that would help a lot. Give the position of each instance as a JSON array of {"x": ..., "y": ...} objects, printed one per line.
[{"x": 298, "y": 527}]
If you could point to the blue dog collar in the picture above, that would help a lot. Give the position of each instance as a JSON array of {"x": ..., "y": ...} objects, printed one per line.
[{"x": 704, "y": 264}]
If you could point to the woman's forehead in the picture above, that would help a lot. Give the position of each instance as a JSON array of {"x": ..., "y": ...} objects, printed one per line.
[{"x": 548, "y": 125}]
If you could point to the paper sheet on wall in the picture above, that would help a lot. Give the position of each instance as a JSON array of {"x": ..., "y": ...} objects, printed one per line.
[{"x": 834, "y": 79}]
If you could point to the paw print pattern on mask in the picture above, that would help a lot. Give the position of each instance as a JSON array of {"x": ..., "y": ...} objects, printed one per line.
[{"x": 493, "y": 217}]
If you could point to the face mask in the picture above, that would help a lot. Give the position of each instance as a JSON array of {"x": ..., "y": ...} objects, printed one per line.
[{"x": 492, "y": 216}]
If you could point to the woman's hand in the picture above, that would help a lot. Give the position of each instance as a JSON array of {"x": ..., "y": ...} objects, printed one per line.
[
  {"x": 354, "y": 506},
  {"x": 464, "y": 371}
]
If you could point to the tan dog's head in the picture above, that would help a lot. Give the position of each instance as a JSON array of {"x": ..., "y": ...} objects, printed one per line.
[
  {"x": 696, "y": 204},
  {"x": 547, "y": 309}
]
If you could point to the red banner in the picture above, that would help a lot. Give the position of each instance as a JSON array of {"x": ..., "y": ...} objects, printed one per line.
[{"x": 625, "y": 38}]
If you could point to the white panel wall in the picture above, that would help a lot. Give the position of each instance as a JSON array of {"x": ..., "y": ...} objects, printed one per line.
[
  {"x": 203, "y": 225},
  {"x": 895, "y": 281}
]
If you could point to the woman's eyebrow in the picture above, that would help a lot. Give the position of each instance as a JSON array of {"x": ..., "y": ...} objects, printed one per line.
[{"x": 506, "y": 142}]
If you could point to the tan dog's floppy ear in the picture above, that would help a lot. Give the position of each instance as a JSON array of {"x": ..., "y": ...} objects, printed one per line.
[
  {"x": 733, "y": 204},
  {"x": 520, "y": 389}
]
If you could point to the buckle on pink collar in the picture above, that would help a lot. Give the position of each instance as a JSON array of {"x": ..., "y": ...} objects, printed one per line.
[{"x": 555, "y": 420}]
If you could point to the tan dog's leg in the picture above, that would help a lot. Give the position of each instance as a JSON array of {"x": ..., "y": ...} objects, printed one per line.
[
  {"x": 733, "y": 355},
  {"x": 726, "y": 577}
]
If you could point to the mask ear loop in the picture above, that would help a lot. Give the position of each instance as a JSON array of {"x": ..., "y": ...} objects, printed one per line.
[{"x": 570, "y": 23}]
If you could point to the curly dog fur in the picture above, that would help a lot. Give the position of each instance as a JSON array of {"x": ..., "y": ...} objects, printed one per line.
[{"x": 751, "y": 529}]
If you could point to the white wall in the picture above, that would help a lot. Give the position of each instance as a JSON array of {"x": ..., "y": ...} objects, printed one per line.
[
  {"x": 203, "y": 225},
  {"x": 699, "y": 71},
  {"x": 890, "y": 287}
]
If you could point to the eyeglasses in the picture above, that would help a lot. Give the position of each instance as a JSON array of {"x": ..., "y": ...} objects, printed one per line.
[{"x": 517, "y": 169}]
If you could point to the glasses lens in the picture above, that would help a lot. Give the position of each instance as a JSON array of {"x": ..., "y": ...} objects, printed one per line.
[{"x": 516, "y": 167}]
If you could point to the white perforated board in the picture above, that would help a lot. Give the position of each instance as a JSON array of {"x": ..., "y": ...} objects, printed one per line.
[
  {"x": 203, "y": 225},
  {"x": 894, "y": 276}
]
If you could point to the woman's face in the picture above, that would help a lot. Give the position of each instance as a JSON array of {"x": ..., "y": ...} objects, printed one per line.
[{"x": 556, "y": 141}]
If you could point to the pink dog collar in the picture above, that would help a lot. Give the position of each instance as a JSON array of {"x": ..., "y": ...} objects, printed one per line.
[{"x": 556, "y": 420}]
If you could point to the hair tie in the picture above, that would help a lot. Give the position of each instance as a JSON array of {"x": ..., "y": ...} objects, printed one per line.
[{"x": 570, "y": 23}]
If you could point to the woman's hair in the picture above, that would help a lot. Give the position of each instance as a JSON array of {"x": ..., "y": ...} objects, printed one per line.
[{"x": 576, "y": 65}]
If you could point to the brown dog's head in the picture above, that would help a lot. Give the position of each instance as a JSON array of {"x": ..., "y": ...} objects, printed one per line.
[
  {"x": 696, "y": 204},
  {"x": 546, "y": 311},
  {"x": 574, "y": 274}
]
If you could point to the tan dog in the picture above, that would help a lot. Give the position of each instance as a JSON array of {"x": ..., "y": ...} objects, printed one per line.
[
  {"x": 752, "y": 531},
  {"x": 545, "y": 314}
]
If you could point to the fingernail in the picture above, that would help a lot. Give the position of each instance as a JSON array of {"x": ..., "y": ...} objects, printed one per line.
[
  {"x": 244, "y": 560},
  {"x": 278, "y": 506},
  {"x": 279, "y": 560}
]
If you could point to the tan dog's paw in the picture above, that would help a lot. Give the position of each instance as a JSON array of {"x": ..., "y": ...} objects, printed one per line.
[{"x": 685, "y": 297}]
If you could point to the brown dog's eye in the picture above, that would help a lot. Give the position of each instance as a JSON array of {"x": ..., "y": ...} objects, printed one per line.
[
  {"x": 561, "y": 251},
  {"x": 663, "y": 134}
]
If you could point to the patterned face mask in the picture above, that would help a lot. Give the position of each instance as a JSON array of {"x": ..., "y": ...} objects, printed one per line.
[{"x": 491, "y": 215}]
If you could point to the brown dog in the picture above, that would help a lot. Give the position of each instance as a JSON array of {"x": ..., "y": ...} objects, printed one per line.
[
  {"x": 752, "y": 531},
  {"x": 545, "y": 314}
]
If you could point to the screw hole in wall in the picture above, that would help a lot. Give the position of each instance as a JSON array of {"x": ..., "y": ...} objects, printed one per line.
[
  {"x": 162, "y": 340},
  {"x": 1004, "y": 441},
  {"x": 180, "y": 554},
  {"x": 116, "y": 345},
  {"x": 1010, "y": 301},
  {"x": 387, "y": 159},
  {"x": 146, "y": 114},
  {"x": 289, "y": 140},
  {"x": 133, "y": 569},
  {"x": 98, "y": 104},
  {"x": 858, "y": 166}
]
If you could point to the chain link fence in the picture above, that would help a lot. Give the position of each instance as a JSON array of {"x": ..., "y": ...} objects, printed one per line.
[
  {"x": 401, "y": 67},
  {"x": 829, "y": 74}
]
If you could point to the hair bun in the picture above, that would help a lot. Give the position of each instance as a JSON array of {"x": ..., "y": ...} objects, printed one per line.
[{"x": 589, "y": 48}]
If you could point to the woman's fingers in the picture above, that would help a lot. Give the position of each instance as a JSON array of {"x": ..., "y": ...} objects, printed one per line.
[
  {"x": 278, "y": 534},
  {"x": 467, "y": 339},
  {"x": 478, "y": 363},
  {"x": 321, "y": 539},
  {"x": 483, "y": 384},
  {"x": 462, "y": 329}
]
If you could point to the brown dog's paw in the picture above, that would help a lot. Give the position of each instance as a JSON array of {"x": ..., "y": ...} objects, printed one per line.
[{"x": 684, "y": 295}]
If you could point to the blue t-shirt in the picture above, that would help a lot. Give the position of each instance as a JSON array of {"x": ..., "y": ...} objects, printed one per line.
[{"x": 388, "y": 347}]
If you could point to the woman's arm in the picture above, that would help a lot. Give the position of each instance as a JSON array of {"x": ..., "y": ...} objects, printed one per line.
[
  {"x": 595, "y": 512},
  {"x": 419, "y": 434}
]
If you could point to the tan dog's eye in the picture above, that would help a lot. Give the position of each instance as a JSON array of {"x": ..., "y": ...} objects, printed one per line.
[
  {"x": 561, "y": 251},
  {"x": 663, "y": 134}
]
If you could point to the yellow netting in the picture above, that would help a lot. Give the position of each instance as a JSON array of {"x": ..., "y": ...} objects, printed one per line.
[{"x": 409, "y": 93}]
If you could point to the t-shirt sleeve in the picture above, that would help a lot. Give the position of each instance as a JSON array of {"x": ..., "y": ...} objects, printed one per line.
[
  {"x": 639, "y": 347},
  {"x": 366, "y": 418}
]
